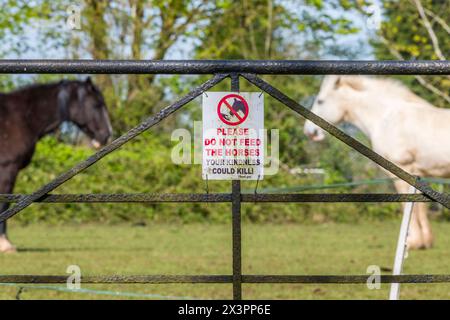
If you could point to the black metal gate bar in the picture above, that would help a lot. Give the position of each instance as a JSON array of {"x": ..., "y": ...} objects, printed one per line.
[
  {"x": 336, "y": 197},
  {"x": 236, "y": 221},
  {"x": 120, "y": 279},
  {"x": 145, "y": 125},
  {"x": 348, "y": 140},
  {"x": 350, "y": 279},
  {"x": 255, "y": 279},
  {"x": 220, "y": 197},
  {"x": 297, "y": 67}
]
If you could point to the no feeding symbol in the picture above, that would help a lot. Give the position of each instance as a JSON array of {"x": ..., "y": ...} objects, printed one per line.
[{"x": 232, "y": 109}]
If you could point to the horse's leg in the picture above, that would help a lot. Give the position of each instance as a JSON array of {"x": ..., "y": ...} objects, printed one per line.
[
  {"x": 5, "y": 244},
  {"x": 3, "y": 207},
  {"x": 8, "y": 176},
  {"x": 415, "y": 239},
  {"x": 427, "y": 234}
]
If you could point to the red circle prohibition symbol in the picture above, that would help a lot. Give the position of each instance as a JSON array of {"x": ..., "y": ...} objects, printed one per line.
[{"x": 233, "y": 104}]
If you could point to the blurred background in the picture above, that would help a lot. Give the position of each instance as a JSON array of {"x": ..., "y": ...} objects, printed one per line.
[
  {"x": 225, "y": 29},
  {"x": 340, "y": 238}
]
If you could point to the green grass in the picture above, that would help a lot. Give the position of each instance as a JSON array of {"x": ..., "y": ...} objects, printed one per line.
[{"x": 206, "y": 249}]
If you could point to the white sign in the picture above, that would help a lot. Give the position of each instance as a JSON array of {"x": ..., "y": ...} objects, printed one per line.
[{"x": 233, "y": 136}]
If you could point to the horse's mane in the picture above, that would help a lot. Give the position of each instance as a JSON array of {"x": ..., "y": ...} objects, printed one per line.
[
  {"x": 37, "y": 87},
  {"x": 388, "y": 86}
]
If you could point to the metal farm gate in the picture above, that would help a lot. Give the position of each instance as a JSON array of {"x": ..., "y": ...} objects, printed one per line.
[{"x": 221, "y": 69}]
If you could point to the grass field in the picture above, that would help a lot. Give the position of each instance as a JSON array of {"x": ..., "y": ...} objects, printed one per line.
[{"x": 206, "y": 249}]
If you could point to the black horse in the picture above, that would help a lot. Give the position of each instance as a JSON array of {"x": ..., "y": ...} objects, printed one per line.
[
  {"x": 237, "y": 106},
  {"x": 28, "y": 114}
]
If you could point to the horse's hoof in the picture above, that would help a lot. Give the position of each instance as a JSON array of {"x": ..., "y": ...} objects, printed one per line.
[
  {"x": 415, "y": 245},
  {"x": 428, "y": 241},
  {"x": 6, "y": 246},
  {"x": 12, "y": 249},
  {"x": 428, "y": 246}
]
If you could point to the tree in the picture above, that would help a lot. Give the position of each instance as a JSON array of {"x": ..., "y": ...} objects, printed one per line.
[{"x": 416, "y": 30}]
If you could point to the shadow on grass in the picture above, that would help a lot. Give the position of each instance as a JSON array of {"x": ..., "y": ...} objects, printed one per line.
[{"x": 78, "y": 249}]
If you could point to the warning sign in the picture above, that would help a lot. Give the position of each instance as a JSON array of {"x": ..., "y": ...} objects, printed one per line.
[{"x": 233, "y": 136}]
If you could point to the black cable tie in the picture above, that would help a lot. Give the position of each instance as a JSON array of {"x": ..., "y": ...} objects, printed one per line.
[{"x": 256, "y": 187}]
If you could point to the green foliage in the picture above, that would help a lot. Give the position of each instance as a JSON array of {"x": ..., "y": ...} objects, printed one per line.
[
  {"x": 145, "y": 166},
  {"x": 405, "y": 35}
]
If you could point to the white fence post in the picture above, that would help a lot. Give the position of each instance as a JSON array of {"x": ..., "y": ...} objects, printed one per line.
[{"x": 401, "y": 246}]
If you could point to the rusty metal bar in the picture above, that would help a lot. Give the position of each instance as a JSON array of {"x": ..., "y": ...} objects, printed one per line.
[
  {"x": 236, "y": 221},
  {"x": 158, "y": 279},
  {"x": 336, "y": 197},
  {"x": 147, "y": 124},
  {"x": 119, "y": 279},
  {"x": 121, "y": 198},
  {"x": 350, "y": 141},
  {"x": 350, "y": 279},
  {"x": 430, "y": 67},
  {"x": 219, "y": 197}
]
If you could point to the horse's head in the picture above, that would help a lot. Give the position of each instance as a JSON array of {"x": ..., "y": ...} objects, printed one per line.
[
  {"x": 332, "y": 102},
  {"x": 89, "y": 112}
]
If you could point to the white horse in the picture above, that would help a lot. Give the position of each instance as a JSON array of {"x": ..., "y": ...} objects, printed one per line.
[{"x": 401, "y": 126}]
